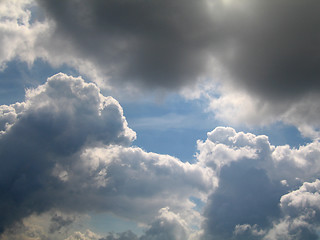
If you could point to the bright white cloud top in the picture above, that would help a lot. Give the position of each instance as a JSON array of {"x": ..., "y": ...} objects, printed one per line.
[{"x": 67, "y": 152}]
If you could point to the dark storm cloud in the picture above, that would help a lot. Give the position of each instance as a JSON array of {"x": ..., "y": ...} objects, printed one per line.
[
  {"x": 268, "y": 47},
  {"x": 275, "y": 46},
  {"x": 156, "y": 43}
]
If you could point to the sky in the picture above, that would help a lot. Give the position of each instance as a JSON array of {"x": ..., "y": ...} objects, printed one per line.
[{"x": 159, "y": 120}]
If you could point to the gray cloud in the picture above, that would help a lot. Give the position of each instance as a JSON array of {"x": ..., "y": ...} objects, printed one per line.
[
  {"x": 59, "y": 160},
  {"x": 268, "y": 47},
  {"x": 58, "y": 222},
  {"x": 128, "y": 235},
  {"x": 264, "y": 52},
  {"x": 253, "y": 179},
  {"x": 275, "y": 47},
  {"x": 149, "y": 43},
  {"x": 245, "y": 196},
  {"x": 67, "y": 147},
  {"x": 57, "y": 120},
  {"x": 167, "y": 225}
]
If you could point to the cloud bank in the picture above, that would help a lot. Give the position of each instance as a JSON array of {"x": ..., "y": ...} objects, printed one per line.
[
  {"x": 68, "y": 148},
  {"x": 67, "y": 151},
  {"x": 268, "y": 47},
  {"x": 263, "y": 55},
  {"x": 252, "y": 199}
]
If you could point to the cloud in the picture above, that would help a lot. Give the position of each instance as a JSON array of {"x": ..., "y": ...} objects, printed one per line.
[
  {"x": 19, "y": 34},
  {"x": 160, "y": 44},
  {"x": 67, "y": 147},
  {"x": 167, "y": 225},
  {"x": 259, "y": 191},
  {"x": 251, "y": 200},
  {"x": 88, "y": 235},
  {"x": 253, "y": 50},
  {"x": 301, "y": 214},
  {"x": 49, "y": 225},
  {"x": 137, "y": 184},
  {"x": 58, "y": 222},
  {"x": 128, "y": 235},
  {"x": 246, "y": 195},
  {"x": 168, "y": 44},
  {"x": 57, "y": 120},
  {"x": 239, "y": 108},
  {"x": 270, "y": 56}
]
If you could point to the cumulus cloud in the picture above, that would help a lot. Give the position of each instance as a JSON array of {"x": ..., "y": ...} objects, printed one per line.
[
  {"x": 67, "y": 147},
  {"x": 167, "y": 225},
  {"x": 87, "y": 235},
  {"x": 251, "y": 200},
  {"x": 259, "y": 191},
  {"x": 57, "y": 120},
  {"x": 46, "y": 226},
  {"x": 301, "y": 214},
  {"x": 137, "y": 184},
  {"x": 128, "y": 235}
]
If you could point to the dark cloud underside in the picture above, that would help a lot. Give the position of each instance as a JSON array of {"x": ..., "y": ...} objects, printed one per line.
[
  {"x": 245, "y": 196},
  {"x": 154, "y": 43},
  {"x": 276, "y": 47},
  {"x": 268, "y": 47}
]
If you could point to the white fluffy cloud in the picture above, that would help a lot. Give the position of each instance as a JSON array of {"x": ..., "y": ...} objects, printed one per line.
[
  {"x": 67, "y": 147},
  {"x": 56, "y": 121},
  {"x": 225, "y": 146},
  {"x": 27, "y": 35},
  {"x": 253, "y": 179},
  {"x": 167, "y": 225},
  {"x": 19, "y": 36},
  {"x": 87, "y": 235},
  {"x": 237, "y": 107},
  {"x": 301, "y": 214}
]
